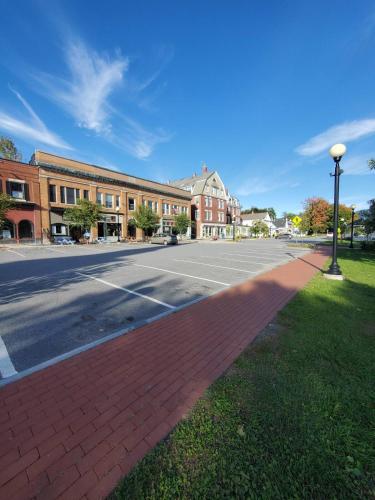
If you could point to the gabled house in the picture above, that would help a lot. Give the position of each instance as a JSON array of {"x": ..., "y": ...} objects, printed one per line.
[
  {"x": 248, "y": 220},
  {"x": 209, "y": 203},
  {"x": 283, "y": 225}
]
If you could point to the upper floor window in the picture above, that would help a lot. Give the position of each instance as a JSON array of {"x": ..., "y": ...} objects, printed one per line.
[
  {"x": 117, "y": 200},
  {"x": 17, "y": 189},
  {"x": 214, "y": 191},
  {"x": 208, "y": 215},
  {"x": 208, "y": 201},
  {"x": 196, "y": 200},
  {"x": 99, "y": 198},
  {"x": 108, "y": 201},
  {"x": 221, "y": 204},
  {"x": 175, "y": 209},
  {"x": 149, "y": 204},
  {"x": 221, "y": 216},
  {"x": 52, "y": 193},
  {"x": 86, "y": 194},
  {"x": 197, "y": 215},
  {"x": 184, "y": 210},
  {"x": 131, "y": 204},
  {"x": 166, "y": 209},
  {"x": 156, "y": 206},
  {"x": 68, "y": 195}
]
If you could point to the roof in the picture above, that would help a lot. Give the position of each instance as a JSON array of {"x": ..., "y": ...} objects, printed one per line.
[
  {"x": 102, "y": 174},
  {"x": 257, "y": 216},
  {"x": 194, "y": 184},
  {"x": 281, "y": 222}
]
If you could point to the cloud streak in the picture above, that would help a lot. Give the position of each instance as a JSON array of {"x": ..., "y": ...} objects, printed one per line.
[
  {"x": 32, "y": 129},
  {"x": 344, "y": 132},
  {"x": 92, "y": 79},
  {"x": 358, "y": 165},
  {"x": 258, "y": 185}
]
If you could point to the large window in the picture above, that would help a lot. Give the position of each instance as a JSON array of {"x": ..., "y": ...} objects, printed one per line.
[
  {"x": 52, "y": 193},
  {"x": 208, "y": 201},
  {"x": 197, "y": 215},
  {"x": 108, "y": 201},
  {"x": 184, "y": 210},
  {"x": 221, "y": 204},
  {"x": 117, "y": 200},
  {"x": 131, "y": 204},
  {"x": 17, "y": 190},
  {"x": 99, "y": 198},
  {"x": 166, "y": 209},
  {"x": 156, "y": 206},
  {"x": 208, "y": 215},
  {"x": 175, "y": 209},
  {"x": 221, "y": 216},
  {"x": 196, "y": 200},
  {"x": 149, "y": 204},
  {"x": 69, "y": 195},
  {"x": 86, "y": 194}
]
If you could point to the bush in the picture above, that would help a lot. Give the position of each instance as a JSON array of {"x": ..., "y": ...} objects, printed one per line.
[{"x": 368, "y": 245}]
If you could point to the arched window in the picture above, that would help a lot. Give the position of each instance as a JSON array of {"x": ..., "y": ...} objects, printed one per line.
[{"x": 25, "y": 229}]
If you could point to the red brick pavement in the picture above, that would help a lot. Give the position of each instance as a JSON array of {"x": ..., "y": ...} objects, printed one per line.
[{"x": 74, "y": 429}]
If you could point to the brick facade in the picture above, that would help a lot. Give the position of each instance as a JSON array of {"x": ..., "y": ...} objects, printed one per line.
[
  {"x": 21, "y": 182},
  {"x": 63, "y": 181}
]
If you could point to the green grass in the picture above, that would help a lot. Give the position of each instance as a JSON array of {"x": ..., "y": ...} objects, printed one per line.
[{"x": 294, "y": 416}]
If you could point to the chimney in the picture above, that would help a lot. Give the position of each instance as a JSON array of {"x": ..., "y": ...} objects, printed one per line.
[{"x": 204, "y": 168}]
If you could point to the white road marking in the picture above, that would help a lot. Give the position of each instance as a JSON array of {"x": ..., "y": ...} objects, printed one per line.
[
  {"x": 214, "y": 265},
  {"x": 231, "y": 260},
  {"x": 6, "y": 366},
  {"x": 249, "y": 256},
  {"x": 182, "y": 274},
  {"x": 17, "y": 253},
  {"x": 169, "y": 306}
]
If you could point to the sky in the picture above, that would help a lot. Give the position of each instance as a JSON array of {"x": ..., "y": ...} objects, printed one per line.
[{"x": 258, "y": 90}]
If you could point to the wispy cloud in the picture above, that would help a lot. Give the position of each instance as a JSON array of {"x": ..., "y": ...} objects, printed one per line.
[
  {"x": 258, "y": 185},
  {"x": 31, "y": 128},
  {"x": 85, "y": 95},
  {"x": 358, "y": 165},
  {"x": 344, "y": 132}
]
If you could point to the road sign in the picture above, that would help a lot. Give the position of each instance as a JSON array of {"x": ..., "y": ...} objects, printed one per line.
[{"x": 296, "y": 220}]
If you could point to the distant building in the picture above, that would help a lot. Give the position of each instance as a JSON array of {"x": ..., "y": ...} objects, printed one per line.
[
  {"x": 282, "y": 225},
  {"x": 21, "y": 182},
  {"x": 209, "y": 203},
  {"x": 248, "y": 221}
]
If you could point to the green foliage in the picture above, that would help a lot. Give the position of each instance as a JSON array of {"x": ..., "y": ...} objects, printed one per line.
[
  {"x": 8, "y": 149},
  {"x": 260, "y": 228},
  {"x": 6, "y": 204},
  {"x": 292, "y": 418},
  {"x": 289, "y": 215},
  {"x": 85, "y": 215},
  {"x": 182, "y": 222},
  {"x": 146, "y": 219},
  {"x": 371, "y": 164}
]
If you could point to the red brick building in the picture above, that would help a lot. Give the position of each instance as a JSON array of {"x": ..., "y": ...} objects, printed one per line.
[
  {"x": 209, "y": 204},
  {"x": 21, "y": 182}
]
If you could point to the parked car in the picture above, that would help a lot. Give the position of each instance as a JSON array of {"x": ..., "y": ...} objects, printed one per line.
[
  {"x": 63, "y": 240},
  {"x": 284, "y": 236},
  {"x": 164, "y": 239}
]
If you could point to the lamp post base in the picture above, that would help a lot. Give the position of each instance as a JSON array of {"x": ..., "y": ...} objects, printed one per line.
[{"x": 338, "y": 277}]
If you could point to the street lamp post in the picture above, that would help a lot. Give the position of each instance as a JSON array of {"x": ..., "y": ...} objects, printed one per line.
[
  {"x": 337, "y": 152},
  {"x": 352, "y": 229},
  {"x": 234, "y": 228},
  {"x": 118, "y": 224}
]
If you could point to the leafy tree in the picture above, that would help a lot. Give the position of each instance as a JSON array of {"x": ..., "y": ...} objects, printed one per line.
[
  {"x": 8, "y": 149},
  {"x": 85, "y": 215},
  {"x": 345, "y": 217},
  {"x": 367, "y": 218},
  {"x": 371, "y": 164},
  {"x": 289, "y": 215},
  {"x": 260, "y": 228},
  {"x": 182, "y": 222},
  {"x": 6, "y": 203},
  {"x": 315, "y": 215},
  {"x": 146, "y": 219}
]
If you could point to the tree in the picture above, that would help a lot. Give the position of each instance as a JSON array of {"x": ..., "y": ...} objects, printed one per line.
[
  {"x": 146, "y": 219},
  {"x": 367, "y": 218},
  {"x": 345, "y": 217},
  {"x": 371, "y": 164},
  {"x": 8, "y": 149},
  {"x": 182, "y": 222},
  {"x": 260, "y": 228},
  {"x": 315, "y": 215},
  {"x": 85, "y": 215},
  {"x": 289, "y": 215},
  {"x": 6, "y": 203}
]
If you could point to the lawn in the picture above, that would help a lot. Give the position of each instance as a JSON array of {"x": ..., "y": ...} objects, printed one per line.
[{"x": 293, "y": 417}]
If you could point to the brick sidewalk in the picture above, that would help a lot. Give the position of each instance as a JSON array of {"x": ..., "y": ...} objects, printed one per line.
[{"x": 74, "y": 429}]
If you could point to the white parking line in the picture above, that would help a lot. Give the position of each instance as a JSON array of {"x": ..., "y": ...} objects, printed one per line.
[
  {"x": 17, "y": 253},
  {"x": 6, "y": 366},
  {"x": 249, "y": 256},
  {"x": 231, "y": 260},
  {"x": 182, "y": 274},
  {"x": 128, "y": 291},
  {"x": 214, "y": 265}
]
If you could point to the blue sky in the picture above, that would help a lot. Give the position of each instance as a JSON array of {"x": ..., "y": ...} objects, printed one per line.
[{"x": 257, "y": 90}]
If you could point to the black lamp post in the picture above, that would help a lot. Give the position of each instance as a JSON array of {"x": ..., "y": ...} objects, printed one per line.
[
  {"x": 352, "y": 229},
  {"x": 337, "y": 152},
  {"x": 234, "y": 228},
  {"x": 118, "y": 224}
]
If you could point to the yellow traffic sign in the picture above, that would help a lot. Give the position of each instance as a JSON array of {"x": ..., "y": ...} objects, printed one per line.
[{"x": 296, "y": 220}]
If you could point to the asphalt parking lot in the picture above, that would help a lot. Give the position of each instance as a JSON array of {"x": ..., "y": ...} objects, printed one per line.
[{"x": 54, "y": 300}]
